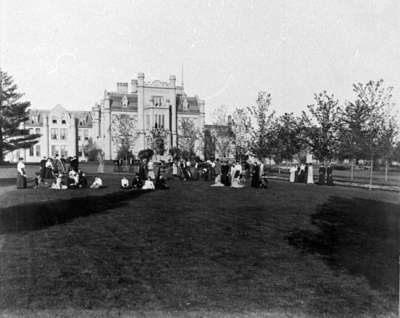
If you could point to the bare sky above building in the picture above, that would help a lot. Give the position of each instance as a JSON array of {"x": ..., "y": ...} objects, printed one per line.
[{"x": 69, "y": 52}]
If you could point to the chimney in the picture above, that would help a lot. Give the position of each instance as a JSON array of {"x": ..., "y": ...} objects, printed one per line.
[
  {"x": 172, "y": 81},
  {"x": 134, "y": 84},
  {"x": 122, "y": 88},
  {"x": 141, "y": 79}
]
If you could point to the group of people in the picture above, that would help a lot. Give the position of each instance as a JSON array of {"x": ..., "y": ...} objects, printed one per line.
[
  {"x": 305, "y": 174},
  {"x": 149, "y": 177},
  {"x": 223, "y": 172},
  {"x": 56, "y": 173}
]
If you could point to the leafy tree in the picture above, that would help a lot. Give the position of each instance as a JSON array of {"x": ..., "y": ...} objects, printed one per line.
[
  {"x": 224, "y": 139},
  {"x": 13, "y": 114},
  {"x": 321, "y": 126},
  {"x": 396, "y": 152},
  {"x": 90, "y": 150},
  {"x": 175, "y": 153},
  {"x": 263, "y": 117},
  {"x": 145, "y": 154},
  {"x": 241, "y": 130},
  {"x": 371, "y": 128},
  {"x": 220, "y": 116},
  {"x": 285, "y": 137},
  {"x": 124, "y": 135},
  {"x": 209, "y": 145},
  {"x": 189, "y": 136}
]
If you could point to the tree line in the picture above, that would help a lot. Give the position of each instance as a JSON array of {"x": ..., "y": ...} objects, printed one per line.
[{"x": 365, "y": 128}]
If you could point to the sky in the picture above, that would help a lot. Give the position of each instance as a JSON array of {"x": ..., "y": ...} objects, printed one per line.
[{"x": 69, "y": 52}]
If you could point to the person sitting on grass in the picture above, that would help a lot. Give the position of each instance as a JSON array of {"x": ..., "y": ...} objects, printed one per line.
[
  {"x": 218, "y": 182},
  {"x": 73, "y": 179},
  {"x": 124, "y": 183},
  {"x": 58, "y": 184},
  {"x": 97, "y": 183},
  {"x": 148, "y": 184},
  {"x": 82, "y": 181},
  {"x": 161, "y": 184},
  {"x": 136, "y": 182},
  {"x": 264, "y": 181}
]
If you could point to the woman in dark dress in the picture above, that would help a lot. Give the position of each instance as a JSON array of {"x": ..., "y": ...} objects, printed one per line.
[
  {"x": 329, "y": 176},
  {"x": 224, "y": 174},
  {"x": 255, "y": 180},
  {"x": 297, "y": 174},
  {"x": 43, "y": 168},
  {"x": 321, "y": 175}
]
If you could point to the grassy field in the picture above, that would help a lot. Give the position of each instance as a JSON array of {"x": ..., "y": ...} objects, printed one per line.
[{"x": 290, "y": 250}]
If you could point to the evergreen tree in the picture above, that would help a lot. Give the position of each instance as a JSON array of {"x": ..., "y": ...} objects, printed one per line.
[{"x": 13, "y": 114}]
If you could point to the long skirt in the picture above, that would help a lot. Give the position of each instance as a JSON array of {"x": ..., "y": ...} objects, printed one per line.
[
  {"x": 291, "y": 178},
  {"x": 48, "y": 173},
  {"x": 310, "y": 176},
  {"x": 321, "y": 178},
  {"x": 100, "y": 168},
  {"x": 21, "y": 181}
]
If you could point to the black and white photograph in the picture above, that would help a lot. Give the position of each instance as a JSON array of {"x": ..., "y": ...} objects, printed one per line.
[{"x": 199, "y": 158}]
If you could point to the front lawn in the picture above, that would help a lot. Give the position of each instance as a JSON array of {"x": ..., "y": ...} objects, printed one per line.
[{"x": 289, "y": 250}]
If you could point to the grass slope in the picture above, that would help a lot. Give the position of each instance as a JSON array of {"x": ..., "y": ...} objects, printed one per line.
[{"x": 290, "y": 250}]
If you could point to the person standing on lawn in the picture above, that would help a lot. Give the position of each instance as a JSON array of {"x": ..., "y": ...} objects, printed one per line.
[
  {"x": 321, "y": 175},
  {"x": 329, "y": 175},
  {"x": 292, "y": 174},
  {"x": 310, "y": 174},
  {"x": 21, "y": 175},
  {"x": 43, "y": 168}
]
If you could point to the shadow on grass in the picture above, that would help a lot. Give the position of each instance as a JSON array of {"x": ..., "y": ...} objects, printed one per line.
[
  {"x": 358, "y": 235},
  {"x": 34, "y": 216}
]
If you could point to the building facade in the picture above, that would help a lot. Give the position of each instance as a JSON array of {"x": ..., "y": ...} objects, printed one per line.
[{"x": 153, "y": 110}]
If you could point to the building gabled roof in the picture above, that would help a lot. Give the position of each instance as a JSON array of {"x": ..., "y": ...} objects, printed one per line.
[
  {"x": 85, "y": 118},
  {"x": 116, "y": 101},
  {"x": 192, "y": 104}
]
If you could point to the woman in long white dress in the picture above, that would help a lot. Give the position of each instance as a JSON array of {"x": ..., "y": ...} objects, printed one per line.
[
  {"x": 236, "y": 175},
  {"x": 150, "y": 169},
  {"x": 292, "y": 174},
  {"x": 310, "y": 174},
  {"x": 148, "y": 185},
  {"x": 218, "y": 182}
]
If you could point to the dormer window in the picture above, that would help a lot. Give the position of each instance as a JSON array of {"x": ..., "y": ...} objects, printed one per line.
[
  {"x": 54, "y": 120},
  {"x": 63, "y": 121}
]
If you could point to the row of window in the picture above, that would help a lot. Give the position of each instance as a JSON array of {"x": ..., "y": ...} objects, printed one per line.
[
  {"x": 61, "y": 134},
  {"x": 34, "y": 151},
  {"x": 58, "y": 133},
  {"x": 159, "y": 121},
  {"x": 59, "y": 150}
]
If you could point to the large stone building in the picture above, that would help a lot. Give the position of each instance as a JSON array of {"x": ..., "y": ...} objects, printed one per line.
[
  {"x": 157, "y": 109},
  {"x": 154, "y": 111}
]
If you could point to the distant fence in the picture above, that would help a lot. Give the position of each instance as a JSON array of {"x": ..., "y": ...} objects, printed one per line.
[{"x": 379, "y": 176}]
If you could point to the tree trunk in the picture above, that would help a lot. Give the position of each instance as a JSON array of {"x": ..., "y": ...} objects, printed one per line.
[
  {"x": 1, "y": 147},
  {"x": 370, "y": 173},
  {"x": 352, "y": 171},
  {"x": 386, "y": 171}
]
